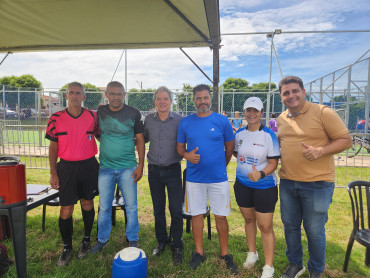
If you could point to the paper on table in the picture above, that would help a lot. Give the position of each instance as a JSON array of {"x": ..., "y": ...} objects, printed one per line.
[{"x": 35, "y": 189}]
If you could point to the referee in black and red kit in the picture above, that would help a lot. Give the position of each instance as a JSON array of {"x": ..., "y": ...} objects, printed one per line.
[{"x": 72, "y": 133}]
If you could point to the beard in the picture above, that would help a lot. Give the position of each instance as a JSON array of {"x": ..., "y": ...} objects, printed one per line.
[{"x": 203, "y": 110}]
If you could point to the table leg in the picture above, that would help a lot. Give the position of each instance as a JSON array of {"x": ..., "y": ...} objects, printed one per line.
[{"x": 17, "y": 218}]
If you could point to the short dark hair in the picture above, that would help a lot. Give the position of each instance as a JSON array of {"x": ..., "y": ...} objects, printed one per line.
[
  {"x": 115, "y": 84},
  {"x": 273, "y": 115},
  {"x": 201, "y": 87},
  {"x": 291, "y": 79}
]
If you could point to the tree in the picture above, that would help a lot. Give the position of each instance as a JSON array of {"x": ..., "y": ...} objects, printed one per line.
[
  {"x": 141, "y": 99},
  {"x": 235, "y": 84},
  {"x": 184, "y": 100},
  {"x": 92, "y": 99},
  {"x": 263, "y": 87},
  {"x": 26, "y": 82},
  {"x": 235, "y": 102},
  {"x": 93, "y": 96}
]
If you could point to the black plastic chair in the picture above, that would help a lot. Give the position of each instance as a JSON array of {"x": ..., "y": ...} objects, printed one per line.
[
  {"x": 187, "y": 216},
  {"x": 118, "y": 203},
  {"x": 54, "y": 203},
  {"x": 359, "y": 192}
]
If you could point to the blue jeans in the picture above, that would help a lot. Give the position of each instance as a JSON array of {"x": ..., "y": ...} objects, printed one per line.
[
  {"x": 308, "y": 202},
  {"x": 108, "y": 178}
]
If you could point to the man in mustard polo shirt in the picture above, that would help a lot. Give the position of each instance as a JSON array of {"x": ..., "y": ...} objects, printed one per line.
[{"x": 309, "y": 134}]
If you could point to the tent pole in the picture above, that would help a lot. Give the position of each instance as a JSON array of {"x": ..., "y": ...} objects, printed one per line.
[{"x": 216, "y": 77}]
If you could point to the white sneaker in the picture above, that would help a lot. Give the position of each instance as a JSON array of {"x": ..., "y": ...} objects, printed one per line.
[
  {"x": 268, "y": 272},
  {"x": 251, "y": 260}
]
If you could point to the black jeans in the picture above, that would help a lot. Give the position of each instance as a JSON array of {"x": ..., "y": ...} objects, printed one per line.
[{"x": 159, "y": 177}]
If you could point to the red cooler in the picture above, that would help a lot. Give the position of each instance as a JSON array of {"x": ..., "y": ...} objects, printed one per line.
[
  {"x": 13, "y": 190},
  {"x": 13, "y": 203}
]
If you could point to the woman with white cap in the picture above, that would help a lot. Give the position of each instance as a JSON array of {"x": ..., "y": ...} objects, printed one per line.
[{"x": 257, "y": 152}]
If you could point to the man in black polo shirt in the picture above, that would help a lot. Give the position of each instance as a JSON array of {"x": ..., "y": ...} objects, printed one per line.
[{"x": 160, "y": 128}]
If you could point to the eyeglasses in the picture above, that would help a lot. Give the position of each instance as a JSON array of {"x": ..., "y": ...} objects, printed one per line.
[{"x": 116, "y": 95}]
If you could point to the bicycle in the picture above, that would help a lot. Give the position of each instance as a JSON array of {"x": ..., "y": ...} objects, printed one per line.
[{"x": 357, "y": 144}]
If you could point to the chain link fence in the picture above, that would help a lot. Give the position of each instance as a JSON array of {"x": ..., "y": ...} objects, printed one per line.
[{"x": 24, "y": 113}]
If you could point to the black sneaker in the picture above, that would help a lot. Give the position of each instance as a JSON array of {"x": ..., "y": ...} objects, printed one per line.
[
  {"x": 84, "y": 250},
  {"x": 230, "y": 263},
  {"x": 315, "y": 275},
  {"x": 65, "y": 257},
  {"x": 196, "y": 260},
  {"x": 159, "y": 249},
  {"x": 293, "y": 271},
  {"x": 177, "y": 256},
  {"x": 133, "y": 243},
  {"x": 98, "y": 247}
]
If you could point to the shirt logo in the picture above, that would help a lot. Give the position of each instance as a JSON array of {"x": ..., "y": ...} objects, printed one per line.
[
  {"x": 259, "y": 145},
  {"x": 90, "y": 137},
  {"x": 212, "y": 129},
  {"x": 247, "y": 160}
]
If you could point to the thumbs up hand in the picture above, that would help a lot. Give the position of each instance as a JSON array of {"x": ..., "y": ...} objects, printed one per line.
[
  {"x": 311, "y": 153},
  {"x": 255, "y": 175},
  {"x": 192, "y": 156}
]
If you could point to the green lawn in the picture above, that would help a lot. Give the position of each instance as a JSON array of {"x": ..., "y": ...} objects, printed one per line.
[{"x": 43, "y": 249}]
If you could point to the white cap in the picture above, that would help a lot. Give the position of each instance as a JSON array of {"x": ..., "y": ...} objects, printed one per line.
[{"x": 254, "y": 102}]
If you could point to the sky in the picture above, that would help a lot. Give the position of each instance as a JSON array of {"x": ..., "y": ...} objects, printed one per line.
[{"x": 309, "y": 56}]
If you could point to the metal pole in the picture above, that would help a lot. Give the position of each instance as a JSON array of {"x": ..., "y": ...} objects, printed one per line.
[
  {"x": 367, "y": 98},
  {"x": 19, "y": 106},
  {"x": 321, "y": 93},
  {"x": 4, "y": 111},
  {"x": 348, "y": 94},
  {"x": 126, "y": 96},
  {"x": 269, "y": 93},
  {"x": 5, "y": 57},
  {"x": 216, "y": 74}
]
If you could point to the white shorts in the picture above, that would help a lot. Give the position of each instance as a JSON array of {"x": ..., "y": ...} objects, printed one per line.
[{"x": 196, "y": 198}]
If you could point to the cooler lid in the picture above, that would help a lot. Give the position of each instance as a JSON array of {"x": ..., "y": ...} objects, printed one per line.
[{"x": 9, "y": 160}]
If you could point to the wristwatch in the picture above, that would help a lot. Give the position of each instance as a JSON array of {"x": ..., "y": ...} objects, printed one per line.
[{"x": 262, "y": 174}]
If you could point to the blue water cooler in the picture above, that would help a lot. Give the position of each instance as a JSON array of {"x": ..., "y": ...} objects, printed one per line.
[{"x": 130, "y": 262}]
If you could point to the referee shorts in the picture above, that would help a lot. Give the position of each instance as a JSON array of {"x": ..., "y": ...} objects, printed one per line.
[
  {"x": 77, "y": 179},
  {"x": 262, "y": 200}
]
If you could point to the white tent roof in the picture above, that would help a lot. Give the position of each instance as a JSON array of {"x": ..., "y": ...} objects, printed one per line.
[{"x": 35, "y": 25}]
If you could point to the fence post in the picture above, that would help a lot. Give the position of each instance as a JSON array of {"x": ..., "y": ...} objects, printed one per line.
[
  {"x": 4, "y": 101},
  {"x": 348, "y": 95},
  {"x": 19, "y": 105},
  {"x": 321, "y": 93},
  {"x": 367, "y": 97}
]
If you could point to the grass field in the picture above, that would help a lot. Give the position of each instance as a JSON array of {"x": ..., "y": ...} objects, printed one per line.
[{"x": 43, "y": 249}]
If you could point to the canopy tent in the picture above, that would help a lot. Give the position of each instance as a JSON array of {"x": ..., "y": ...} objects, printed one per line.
[
  {"x": 38, "y": 25},
  {"x": 110, "y": 24}
]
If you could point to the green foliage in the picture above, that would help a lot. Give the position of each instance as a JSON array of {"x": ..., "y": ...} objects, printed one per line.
[
  {"x": 92, "y": 99},
  {"x": 356, "y": 110},
  {"x": 263, "y": 87},
  {"x": 141, "y": 99},
  {"x": 235, "y": 102},
  {"x": 25, "y": 82},
  {"x": 185, "y": 100},
  {"x": 235, "y": 84}
]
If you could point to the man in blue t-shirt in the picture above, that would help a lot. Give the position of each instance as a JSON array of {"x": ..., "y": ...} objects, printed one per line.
[{"x": 206, "y": 140}]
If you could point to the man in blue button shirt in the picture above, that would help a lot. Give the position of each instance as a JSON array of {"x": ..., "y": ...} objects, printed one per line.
[{"x": 164, "y": 170}]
